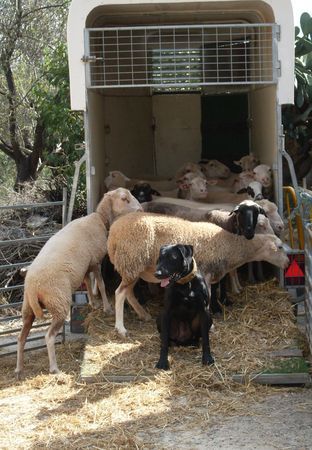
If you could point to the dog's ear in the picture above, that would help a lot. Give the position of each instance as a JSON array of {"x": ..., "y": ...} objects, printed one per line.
[{"x": 186, "y": 250}]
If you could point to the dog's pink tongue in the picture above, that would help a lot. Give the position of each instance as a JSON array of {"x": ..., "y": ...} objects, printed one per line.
[{"x": 164, "y": 282}]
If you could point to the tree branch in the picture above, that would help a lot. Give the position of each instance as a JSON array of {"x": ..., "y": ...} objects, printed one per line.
[
  {"x": 7, "y": 149},
  {"x": 34, "y": 11}
]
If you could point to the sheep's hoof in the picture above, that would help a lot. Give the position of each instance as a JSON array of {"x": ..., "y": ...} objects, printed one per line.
[
  {"x": 123, "y": 333},
  {"x": 54, "y": 371},
  {"x": 109, "y": 311},
  {"x": 147, "y": 317},
  {"x": 19, "y": 375}
]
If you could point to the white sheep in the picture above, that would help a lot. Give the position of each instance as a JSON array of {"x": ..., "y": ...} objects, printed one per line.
[
  {"x": 248, "y": 162},
  {"x": 199, "y": 191},
  {"x": 213, "y": 168},
  {"x": 263, "y": 174},
  {"x": 188, "y": 167},
  {"x": 62, "y": 265},
  {"x": 134, "y": 242},
  {"x": 271, "y": 211},
  {"x": 117, "y": 179}
]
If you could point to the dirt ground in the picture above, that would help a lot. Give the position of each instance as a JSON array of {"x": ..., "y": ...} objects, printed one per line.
[
  {"x": 283, "y": 421},
  {"x": 188, "y": 407}
]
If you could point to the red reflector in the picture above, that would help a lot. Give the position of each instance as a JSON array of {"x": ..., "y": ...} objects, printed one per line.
[{"x": 294, "y": 270}]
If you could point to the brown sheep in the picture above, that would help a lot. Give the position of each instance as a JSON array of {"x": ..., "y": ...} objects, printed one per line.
[{"x": 134, "y": 242}]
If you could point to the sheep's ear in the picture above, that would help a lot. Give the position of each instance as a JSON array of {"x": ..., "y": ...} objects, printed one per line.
[
  {"x": 212, "y": 182},
  {"x": 261, "y": 211},
  {"x": 249, "y": 191},
  {"x": 156, "y": 193},
  {"x": 237, "y": 163},
  {"x": 235, "y": 210}
]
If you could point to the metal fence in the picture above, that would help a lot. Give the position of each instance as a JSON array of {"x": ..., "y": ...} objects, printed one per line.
[
  {"x": 10, "y": 315},
  {"x": 308, "y": 281},
  {"x": 181, "y": 56},
  {"x": 298, "y": 276}
]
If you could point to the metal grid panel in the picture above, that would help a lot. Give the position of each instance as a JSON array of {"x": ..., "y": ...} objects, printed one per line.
[
  {"x": 181, "y": 56},
  {"x": 308, "y": 281}
]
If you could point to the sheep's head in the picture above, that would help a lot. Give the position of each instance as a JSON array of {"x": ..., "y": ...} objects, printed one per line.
[
  {"x": 248, "y": 162},
  {"x": 115, "y": 179},
  {"x": 215, "y": 169},
  {"x": 275, "y": 219},
  {"x": 273, "y": 251},
  {"x": 263, "y": 174},
  {"x": 116, "y": 203},
  {"x": 246, "y": 214},
  {"x": 144, "y": 192}
]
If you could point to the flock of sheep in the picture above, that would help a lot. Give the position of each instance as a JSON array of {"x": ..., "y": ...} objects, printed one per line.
[{"x": 131, "y": 232}]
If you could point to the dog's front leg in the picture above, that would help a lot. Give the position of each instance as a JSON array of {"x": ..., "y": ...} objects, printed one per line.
[
  {"x": 205, "y": 325},
  {"x": 163, "y": 362}
]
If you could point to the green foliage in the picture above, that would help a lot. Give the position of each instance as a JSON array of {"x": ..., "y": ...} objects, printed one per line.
[
  {"x": 63, "y": 127},
  {"x": 303, "y": 61}
]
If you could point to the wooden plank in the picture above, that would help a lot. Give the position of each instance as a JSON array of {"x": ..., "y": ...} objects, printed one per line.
[
  {"x": 273, "y": 378},
  {"x": 286, "y": 353}
]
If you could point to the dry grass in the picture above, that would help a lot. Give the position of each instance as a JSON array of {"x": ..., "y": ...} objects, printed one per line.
[{"x": 57, "y": 412}]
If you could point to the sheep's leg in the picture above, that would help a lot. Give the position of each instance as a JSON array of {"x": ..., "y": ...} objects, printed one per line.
[
  {"x": 122, "y": 292},
  {"x": 251, "y": 276},
  {"x": 120, "y": 297},
  {"x": 214, "y": 304},
  {"x": 235, "y": 284},
  {"x": 141, "y": 312},
  {"x": 88, "y": 283},
  {"x": 239, "y": 286},
  {"x": 224, "y": 299},
  {"x": 27, "y": 324},
  {"x": 98, "y": 277},
  {"x": 259, "y": 270},
  {"x": 93, "y": 284},
  {"x": 50, "y": 337}
]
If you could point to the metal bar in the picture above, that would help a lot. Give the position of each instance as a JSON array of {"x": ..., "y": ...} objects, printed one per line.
[
  {"x": 7, "y": 319},
  {"x": 32, "y": 205},
  {"x": 11, "y": 288},
  {"x": 12, "y": 266},
  {"x": 10, "y": 305},
  {"x": 164, "y": 27},
  {"x": 23, "y": 240},
  {"x": 15, "y": 330},
  {"x": 28, "y": 349},
  {"x": 64, "y": 207}
]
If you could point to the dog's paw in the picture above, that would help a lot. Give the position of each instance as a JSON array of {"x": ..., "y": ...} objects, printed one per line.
[
  {"x": 164, "y": 365},
  {"x": 207, "y": 360}
]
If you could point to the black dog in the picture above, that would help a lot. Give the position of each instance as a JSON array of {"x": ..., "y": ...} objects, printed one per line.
[{"x": 186, "y": 316}]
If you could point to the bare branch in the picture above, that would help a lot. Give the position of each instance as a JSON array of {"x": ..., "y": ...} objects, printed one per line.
[
  {"x": 7, "y": 149},
  {"x": 34, "y": 11}
]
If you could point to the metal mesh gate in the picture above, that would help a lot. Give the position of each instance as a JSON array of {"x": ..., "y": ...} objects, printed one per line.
[
  {"x": 181, "y": 56},
  {"x": 308, "y": 281}
]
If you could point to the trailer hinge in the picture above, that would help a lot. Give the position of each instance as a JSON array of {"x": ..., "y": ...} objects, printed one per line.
[
  {"x": 89, "y": 58},
  {"x": 278, "y": 67},
  {"x": 278, "y": 32}
]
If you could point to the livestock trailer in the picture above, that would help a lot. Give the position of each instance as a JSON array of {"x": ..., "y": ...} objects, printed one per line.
[{"x": 165, "y": 82}]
